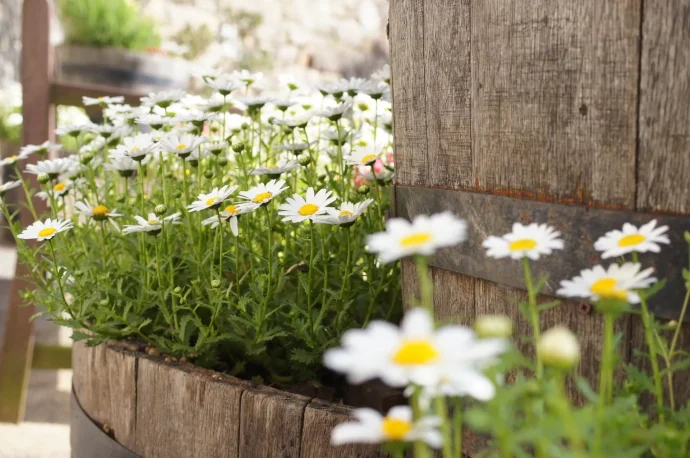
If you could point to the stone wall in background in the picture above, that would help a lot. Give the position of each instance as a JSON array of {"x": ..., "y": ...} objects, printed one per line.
[{"x": 10, "y": 33}]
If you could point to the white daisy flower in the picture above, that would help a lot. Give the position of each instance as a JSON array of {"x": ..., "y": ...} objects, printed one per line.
[
  {"x": 424, "y": 235},
  {"x": 416, "y": 353},
  {"x": 136, "y": 148},
  {"x": 397, "y": 426},
  {"x": 4, "y": 187},
  {"x": 197, "y": 155},
  {"x": 163, "y": 99},
  {"x": 225, "y": 84},
  {"x": 216, "y": 148},
  {"x": 364, "y": 155},
  {"x": 246, "y": 77},
  {"x": 61, "y": 188},
  {"x": 153, "y": 120},
  {"x": 97, "y": 212},
  {"x": 384, "y": 74},
  {"x": 153, "y": 225},
  {"x": 12, "y": 160},
  {"x": 255, "y": 103},
  {"x": 295, "y": 148},
  {"x": 530, "y": 241},
  {"x": 102, "y": 101},
  {"x": 346, "y": 215},
  {"x": 41, "y": 230},
  {"x": 213, "y": 199},
  {"x": 215, "y": 103},
  {"x": 335, "y": 112},
  {"x": 41, "y": 149},
  {"x": 52, "y": 167},
  {"x": 197, "y": 118},
  {"x": 300, "y": 121},
  {"x": 618, "y": 282},
  {"x": 643, "y": 239},
  {"x": 282, "y": 166},
  {"x": 123, "y": 165},
  {"x": 353, "y": 85},
  {"x": 72, "y": 130},
  {"x": 284, "y": 104},
  {"x": 298, "y": 208},
  {"x": 182, "y": 145},
  {"x": 374, "y": 89},
  {"x": 263, "y": 193},
  {"x": 290, "y": 82},
  {"x": 231, "y": 214}
]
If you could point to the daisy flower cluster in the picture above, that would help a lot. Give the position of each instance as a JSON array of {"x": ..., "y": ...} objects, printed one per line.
[{"x": 234, "y": 214}]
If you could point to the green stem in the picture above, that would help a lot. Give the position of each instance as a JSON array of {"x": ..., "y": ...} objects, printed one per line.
[
  {"x": 442, "y": 412},
  {"x": 426, "y": 283},
  {"x": 566, "y": 413},
  {"x": 606, "y": 378},
  {"x": 237, "y": 262},
  {"x": 340, "y": 163},
  {"x": 27, "y": 194},
  {"x": 672, "y": 348},
  {"x": 346, "y": 276},
  {"x": 457, "y": 427},
  {"x": 533, "y": 314},
  {"x": 647, "y": 321},
  {"x": 56, "y": 272},
  {"x": 219, "y": 234},
  {"x": 419, "y": 447},
  {"x": 309, "y": 278}
]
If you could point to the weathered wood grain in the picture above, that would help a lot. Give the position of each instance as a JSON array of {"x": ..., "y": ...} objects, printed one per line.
[
  {"x": 447, "y": 79},
  {"x": 271, "y": 424},
  {"x": 664, "y": 150},
  {"x": 104, "y": 381},
  {"x": 182, "y": 412},
  {"x": 319, "y": 420},
  {"x": 409, "y": 86}
]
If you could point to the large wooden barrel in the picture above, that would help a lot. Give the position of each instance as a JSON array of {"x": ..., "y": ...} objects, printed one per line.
[
  {"x": 573, "y": 113},
  {"x": 127, "y": 404}
]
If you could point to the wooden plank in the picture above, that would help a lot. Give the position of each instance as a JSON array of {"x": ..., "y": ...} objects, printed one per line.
[
  {"x": 38, "y": 126},
  {"x": 663, "y": 158},
  {"x": 271, "y": 423},
  {"x": 447, "y": 79},
  {"x": 319, "y": 420},
  {"x": 63, "y": 93},
  {"x": 201, "y": 412},
  {"x": 580, "y": 227},
  {"x": 104, "y": 382},
  {"x": 409, "y": 89}
]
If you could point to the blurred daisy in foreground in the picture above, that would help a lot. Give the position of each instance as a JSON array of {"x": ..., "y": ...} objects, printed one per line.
[
  {"x": 263, "y": 193},
  {"x": 4, "y": 187},
  {"x": 98, "y": 212},
  {"x": 213, "y": 199},
  {"x": 41, "y": 230},
  {"x": 53, "y": 167},
  {"x": 153, "y": 225},
  {"x": 281, "y": 167},
  {"x": 632, "y": 239},
  {"x": 424, "y": 235},
  {"x": 364, "y": 155},
  {"x": 136, "y": 148},
  {"x": 618, "y": 282},
  {"x": 103, "y": 101},
  {"x": 298, "y": 208},
  {"x": 397, "y": 426},
  {"x": 41, "y": 149},
  {"x": 416, "y": 353},
  {"x": 163, "y": 99},
  {"x": 346, "y": 215},
  {"x": 530, "y": 241}
]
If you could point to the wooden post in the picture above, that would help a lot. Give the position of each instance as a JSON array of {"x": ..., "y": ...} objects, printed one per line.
[{"x": 39, "y": 122}]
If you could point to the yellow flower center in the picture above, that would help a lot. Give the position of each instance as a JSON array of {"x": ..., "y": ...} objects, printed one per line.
[
  {"x": 211, "y": 201},
  {"x": 368, "y": 158},
  {"x": 273, "y": 167},
  {"x": 416, "y": 352},
  {"x": 631, "y": 240},
  {"x": 308, "y": 209},
  {"x": 606, "y": 287},
  {"x": 345, "y": 213},
  {"x": 153, "y": 221},
  {"x": 100, "y": 210},
  {"x": 522, "y": 245},
  {"x": 395, "y": 429},
  {"x": 12, "y": 158},
  {"x": 181, "y": 146},
  {"x": 59, "y": 187},
  {"x": 231, "y": 209},
  {"x": 136, "y": 149},
  {"x": 46, "y": 232},
  {"x": 415, "y": 239},
  {"x": 262, "y": 197}
]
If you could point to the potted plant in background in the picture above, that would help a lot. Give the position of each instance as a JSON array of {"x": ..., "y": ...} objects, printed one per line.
[{"x": 111, "y": 42}]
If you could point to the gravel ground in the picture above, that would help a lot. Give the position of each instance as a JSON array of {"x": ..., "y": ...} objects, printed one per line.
[{"x": 45, "y": 431}]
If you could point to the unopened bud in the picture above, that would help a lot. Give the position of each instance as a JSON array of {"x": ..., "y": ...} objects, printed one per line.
[
  {"x": 686, "y": 234},
  {"x": 43, "y": 178},
  {"x": 488, "y": 326},
  {"x": 304, "y": 160},
  {"x": 222, "y": 161},
  {"x": 160, "y": 210},
  {"x": 215, "y": 283},
  {"x": 238, "y": 147},
  {"x": 86, "y": 158},
  {"x": 208, "y": 174},
  {"x": 672, "y": 324},
  {"x": 177, "y": 290},
  {"x": 177, "y": 194},
  {"x": 559, "y": 348},
  {"x": 104, "y": 302},
  {"x": 364, "y": 189}
]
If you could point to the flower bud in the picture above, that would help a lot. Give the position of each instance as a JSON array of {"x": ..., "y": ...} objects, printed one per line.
[
  {"x": 686, "y": 234},
  {"x": 488, "y": 326},
  {"x": 238, "y": 147},
  {"x": 672, "y": 324},
  {"x": 215, "y": 283},
  {"x": 160, "y": 210},
  {"x": 104, "y": 302},
  {"x": 559, "y": 348},
  {"x": 86, "y": 158},
  {"x": 177, "y": 194},
  {"x": 208, "y": 174},
  {"x": 43, "y": 178},
  {"x": 222, "y": 161},
  {"x": 177, "y": 290},
  {"x": 304, "y": 160},
  {"x": 364, "y": 189}
]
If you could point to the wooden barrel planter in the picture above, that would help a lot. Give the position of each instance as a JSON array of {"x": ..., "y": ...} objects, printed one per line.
[
  {"x": 575, "y": 114},
  {"x": 127, "y": 404},
  {"x": 119, "y": 68}
]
